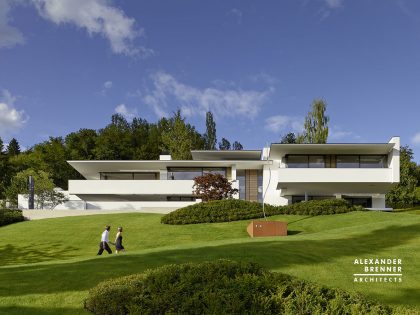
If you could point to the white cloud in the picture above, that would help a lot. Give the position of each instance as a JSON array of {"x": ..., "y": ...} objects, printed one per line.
[
  {"x": 9, "y": 36},
  {"x": 96, "y": 17},
  {"x": 167, "y": 91},
  {"x": 334, "y": 4},
  {"x": 284, "y": 123},
  {"x": 11, "y": 119},
  {"x": 416, "y": 139},
  {"x": 128, "y": 113},
  {"x": 337, "y": 133},
  {"x": 108, "y": 84}
]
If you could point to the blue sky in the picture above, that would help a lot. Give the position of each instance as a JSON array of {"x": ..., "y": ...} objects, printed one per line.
[{"x": 71, "y": 64}]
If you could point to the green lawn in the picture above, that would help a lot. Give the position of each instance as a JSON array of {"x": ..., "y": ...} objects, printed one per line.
[{"x": 48, "y": 266}]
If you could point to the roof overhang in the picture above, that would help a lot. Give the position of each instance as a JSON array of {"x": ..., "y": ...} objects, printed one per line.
[
  {"x": 227, "y": 155},
  {"x": 91, "y": 169},
  {"x": 277, "y": 150}
]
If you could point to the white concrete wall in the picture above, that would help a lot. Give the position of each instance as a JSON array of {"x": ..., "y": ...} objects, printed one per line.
[
  {"x": 131, "y": 187},
  {"x": 394, "y": 160},
  {"x": 147, "y": 206},
  {"x": 270, "y": 181},
  {"x": 74, "y": 202},
  {"x": 378, "y": 201},
  {"x": 335, "y": 175}
]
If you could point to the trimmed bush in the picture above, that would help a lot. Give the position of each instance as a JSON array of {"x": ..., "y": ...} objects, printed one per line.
[
  {"x": 320, "y": 207},
  {"x": 222, "y": 287},
  {"x": 219, "y": 211},
  {"x": 8, "y": 216},
  {"x": 233, "y": 210}
]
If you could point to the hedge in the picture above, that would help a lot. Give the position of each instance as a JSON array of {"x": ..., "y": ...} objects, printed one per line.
[
  {"x": 235, "y": 209},
  {"x": 222, "y": 287},
  {"x": 8, "y": 216}
]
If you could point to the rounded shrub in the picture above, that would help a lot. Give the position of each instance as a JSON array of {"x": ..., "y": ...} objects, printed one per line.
[
  {"x": 222, "y": 287},
  {"x": 8, "y": 216},
  {"x": 218, "y": 211}
]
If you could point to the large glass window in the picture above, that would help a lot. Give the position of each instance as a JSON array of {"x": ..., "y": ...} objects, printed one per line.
[
  {"x": 373, "y": 161},
  {"x": 128, "y": 176},
  {"x": 214, "y": 170},
  {"x": 297, "y": 161},
  {"x": 347, "y": 161},
  {"x": 316, "y": 161},
  {"x": 188, "y": 173}
]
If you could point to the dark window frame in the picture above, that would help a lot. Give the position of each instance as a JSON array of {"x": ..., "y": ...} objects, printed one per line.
[{"x": 201, "y": 169}]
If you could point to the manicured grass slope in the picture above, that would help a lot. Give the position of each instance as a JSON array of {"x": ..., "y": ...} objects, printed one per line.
[{"x": 48, "y": 266}]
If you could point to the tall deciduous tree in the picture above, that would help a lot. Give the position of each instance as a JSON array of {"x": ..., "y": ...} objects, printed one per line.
[
  {"x": 404, "y": 194},
  {"x": 179, "y": 138},
  {"x": 316, "y": 124},
  {"x": 13, "y": 148},
  {"x": 81, "y": 144},
  {"x": 224, "y": 144},
  {"x": 237, "y": 146},
  {"x": 114, "y": 142},
  {"x": 210, "y": 135},
  {"x": 290, "y": 138}
]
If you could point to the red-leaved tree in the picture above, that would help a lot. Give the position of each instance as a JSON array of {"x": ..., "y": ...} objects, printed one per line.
[{"x": 213, "y": 187}]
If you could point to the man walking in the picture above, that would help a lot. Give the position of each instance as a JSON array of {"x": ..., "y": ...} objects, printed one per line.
[{"x": 103, "y": 245}]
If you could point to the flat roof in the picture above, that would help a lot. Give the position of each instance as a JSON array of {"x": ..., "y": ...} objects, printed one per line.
[
  {"x": 226, "y": 155},
  {"x": 91, "y": 169},
  {"x": 277, "y": 150}
]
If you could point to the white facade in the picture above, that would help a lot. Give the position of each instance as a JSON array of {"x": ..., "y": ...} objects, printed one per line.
[{"x": 361, "y": 173}]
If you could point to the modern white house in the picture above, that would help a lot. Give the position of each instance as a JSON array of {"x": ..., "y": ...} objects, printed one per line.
[{"x": 280, "y": 174}]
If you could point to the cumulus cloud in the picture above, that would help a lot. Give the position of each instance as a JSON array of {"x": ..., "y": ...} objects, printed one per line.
[
  {"x": 168, "y": 91},
  {"x": 11, "y": 119},
  {"x": 96, "y": 17},
  {"x": 284, "y": 123},
  {"x": 9, "y": 36},
  {"x": 416, "y": 139},
  {"x": 128, "y": 113}
]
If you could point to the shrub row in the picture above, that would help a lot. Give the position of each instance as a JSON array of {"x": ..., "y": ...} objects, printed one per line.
[
  {"x": 234, "y": 210},
  {"x": 222, "y": 287},
  {"x": 8, "y": 216}
]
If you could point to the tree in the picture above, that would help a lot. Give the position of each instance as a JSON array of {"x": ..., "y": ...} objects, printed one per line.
[
  {"x": 237, "y": 146},
  {"x": 290, "y": 138},
  {"x": 45, "y": 194},
  {"x": 210, "y": 135},
  {"x": 1, "y": 145},
  {"x": 316, "y": 124},
  {"x": 179, "y": 138},
  {"x": 13, "y": 148},
  {"x": 114, "y": 142},
  {"x": 213, "y": 187},
  {"x": 403, "y": 195},
  {"x": 224, "y": 144},
  {"x": 80, "y": 145}
]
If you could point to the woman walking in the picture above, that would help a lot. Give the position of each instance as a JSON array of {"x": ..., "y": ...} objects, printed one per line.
[{"x": 118, "y": 241}]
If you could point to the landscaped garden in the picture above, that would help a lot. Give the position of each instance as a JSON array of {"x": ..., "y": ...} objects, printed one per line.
[{"x": 48, "y": 266}]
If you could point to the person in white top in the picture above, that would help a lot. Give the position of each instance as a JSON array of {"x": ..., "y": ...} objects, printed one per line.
[{"x": 103, "y": 245}]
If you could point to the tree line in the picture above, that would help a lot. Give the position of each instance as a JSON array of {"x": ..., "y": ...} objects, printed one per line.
[
  {"x": 142, "y": 140},
  {"x": 119, "y": 140}
]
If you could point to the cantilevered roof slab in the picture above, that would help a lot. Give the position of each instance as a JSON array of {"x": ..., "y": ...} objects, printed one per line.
[
  {"x": 227, "y": 155},
  {"x": 278, "y": 150},
  {"x": 91, "y": 169}
]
